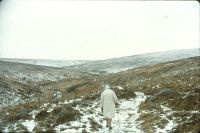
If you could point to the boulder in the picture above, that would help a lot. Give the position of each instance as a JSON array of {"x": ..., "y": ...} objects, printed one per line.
[{"x": 167, "y": 92}]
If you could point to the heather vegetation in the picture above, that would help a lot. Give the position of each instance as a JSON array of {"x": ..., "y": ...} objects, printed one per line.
[{"x": 161, "y": 97}]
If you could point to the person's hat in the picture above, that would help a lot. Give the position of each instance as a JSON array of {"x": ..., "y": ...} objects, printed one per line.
[{"x": 107, "y": 87}]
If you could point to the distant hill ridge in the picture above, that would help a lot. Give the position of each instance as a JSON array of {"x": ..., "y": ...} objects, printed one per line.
[
  {"x": 46, "y": 62},
  {"x": 123, "y": 63},
  {"x": 113, "y": 65}
]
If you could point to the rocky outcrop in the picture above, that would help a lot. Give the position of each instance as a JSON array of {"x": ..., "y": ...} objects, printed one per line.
[{"x": 167, "y": 93}]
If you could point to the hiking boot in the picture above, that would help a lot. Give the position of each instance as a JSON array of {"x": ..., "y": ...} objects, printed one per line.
[
  {"x": 110, "y": 128},
  {"x": 107, "y": 126}
]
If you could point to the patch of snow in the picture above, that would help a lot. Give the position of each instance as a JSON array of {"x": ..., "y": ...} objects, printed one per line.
[
  {"x": 44, "y": 105},
  {"x": 70, "y": 101},
  {"x": 195, "y": 112},
  {"x": 165, "y": 108},
  {"x": 120, "y": 88},
  {"x": 51, "y": 107},
  {"x": 9, "y": 98},
  {"x": 50, "y": 110},
  {"x": 125, "y": 119},
  {"x": 29, "y": 124},
  {"x": 6, "y": 130},
  {"x": 34, "y": 113},
  {"x": 171, "y": 123},
  {"x": 128, "y": 114},
  {"x": 116, "y": 70},
  {"x": 168, "y": 128}
]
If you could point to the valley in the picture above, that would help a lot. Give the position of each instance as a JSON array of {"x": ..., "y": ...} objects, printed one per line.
[{"x": 154, "y": 97}]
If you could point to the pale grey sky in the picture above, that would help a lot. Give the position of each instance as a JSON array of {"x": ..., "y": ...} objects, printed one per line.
[{"x": 58, "y": 29}]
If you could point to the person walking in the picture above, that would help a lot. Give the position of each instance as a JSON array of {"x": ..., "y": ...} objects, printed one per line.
[{"x": 108, "y": 105}]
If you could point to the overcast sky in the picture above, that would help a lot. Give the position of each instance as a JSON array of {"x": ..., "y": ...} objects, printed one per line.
[{"x": 58, "y": 29}]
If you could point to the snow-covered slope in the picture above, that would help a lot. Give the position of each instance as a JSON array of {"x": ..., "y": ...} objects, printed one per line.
[
  {"x": 125, "y": 120},
  {"x": 26, "y": 72},
  {"x": 19, "y": 83},
  {"x": 156, "y": 98},
  {"x": 124, "y": 63},
  {"x": 173, "y": 90},
  {"x": 43, "y": 62}
]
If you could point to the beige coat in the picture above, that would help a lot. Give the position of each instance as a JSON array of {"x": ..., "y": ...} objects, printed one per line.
[{"x": 108, "y": 100}]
